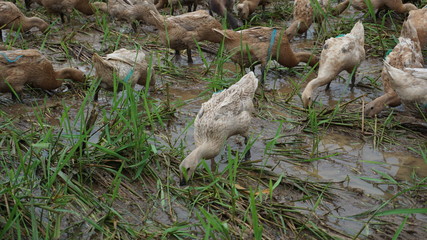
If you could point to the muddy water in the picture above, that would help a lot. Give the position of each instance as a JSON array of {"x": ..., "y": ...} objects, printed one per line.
[{"x": 355, "y": 157}]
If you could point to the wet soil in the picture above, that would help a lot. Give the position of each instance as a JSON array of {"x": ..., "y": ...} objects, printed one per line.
[{"x": 350, "y": 159}]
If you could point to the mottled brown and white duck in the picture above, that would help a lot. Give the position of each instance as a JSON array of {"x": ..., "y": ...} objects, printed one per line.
[
  {"x": 338, "y": 54},
  {"x": 130, "y": 66},
  {"x": 406, "y": 54},
  {"x": 226, "y": 114}
]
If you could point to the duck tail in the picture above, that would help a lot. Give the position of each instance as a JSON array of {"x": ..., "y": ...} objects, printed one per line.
[
  {"x": 408, "y": 31},
  {"x": 396, "y": 74},
  {"x": 358, "y": 31},
  {"x": 249, "y": 82}
]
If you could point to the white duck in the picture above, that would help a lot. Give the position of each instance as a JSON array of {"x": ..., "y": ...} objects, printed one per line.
[
  {"x": 418, "y": 19},
  {"x": 338, "y": 54},
  {"x": 128, "y": 65},
  {"x": 226, "y": 114},
  {"x": 410, "y": 85},
  {"x": 406, "y": 54}
]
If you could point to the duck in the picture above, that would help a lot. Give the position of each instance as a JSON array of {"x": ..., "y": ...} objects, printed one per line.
[
  {"x": 410, "y": 85},
  {"x": 177, "y": 3},
  {"x": 338, "y": 54},
  {"x": 12, "y": 18},
  {"x": 65, "y": 7},
  {"x": 247, "y": 7},
  {"x": 226, "y": 114},
  {"x": 254, "y": 46},
  {"x": 303, "y": 15},
  {"x": 181, "y": 32},
  {"x": 224, "y": 8},
  {"x": 395, "y": 5},
  {"x": 122, "y": 10},
  {"x": 127, "y": 10},
  {"x": 128, "y": 65},
  {"x": 418, "y": 19},
  {"x": 19, "y": 68},
  {"x": 407, "y": 53}
]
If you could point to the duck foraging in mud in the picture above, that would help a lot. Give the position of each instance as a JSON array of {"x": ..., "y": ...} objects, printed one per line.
[
  {"x": 19, "y": 68},
  {"x": 12, "y": 18},
  {"x": 226, "y": 114},
  {"x": 128, "y": 65},
  {"x": 338, "y": 54}
]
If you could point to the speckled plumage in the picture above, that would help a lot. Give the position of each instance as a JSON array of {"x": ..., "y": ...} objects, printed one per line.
[
  {"x": 410, "y": 83},
  {"x": 247, "y": 7},
  {"x": 227, "y": 113},
  {"x": 126, "y": 10},
  {"x": 396, "y": 5},
  {"x": 181, "y": 32},
  {"x": 177, "y": 3},
  {"x": 128, "y": 65},
  {"x": 303, "y": 15},
  {"x": 418, "y": 19},
  {"x": 407, "y": 53},
  {"x": 338, "y": 54},
  {"x": 65, "y": 7}
]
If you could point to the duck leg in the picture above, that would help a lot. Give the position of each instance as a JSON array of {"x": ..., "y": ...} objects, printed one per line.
[
  {"x": 96, "y": 94},
  {"x": 353, "y": 80},
  {"x": 177, "y": 55},
  {"x": 189, "y": 58},
  {"x": 353, "y": 77},
  {"x": 327, "y": 86},
  {"x": 17, "y": 96},
  {"x": 28, "y": 4},
  {"x": 263, "y": 74},
  {"x": 134, "y": 26},
  {"x": 172, "y": 9},
  {"x": 248, "y": 153},
  {"x": 213, "y": 165}
]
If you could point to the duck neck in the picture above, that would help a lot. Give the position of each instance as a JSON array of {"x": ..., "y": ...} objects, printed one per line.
[
  {"x": 69, "y": 73},
  {"x": 306, "y": 57},
  {"x": 404, "y": 8},
  {"x": 156, "y": 19},
  {"x": 207, "y": 150},
  {"x": 85, "y": 7},
  {"x": 286, "y": 56},
  {"x": 340, "y": 8},
  {"x": 31, "y": 22},
  {"x": 292, "y": 30}
]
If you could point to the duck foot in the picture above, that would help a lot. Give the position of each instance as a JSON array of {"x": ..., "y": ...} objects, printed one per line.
[
  {"x": 248, "y": 153},
  {"x": 189, "y": 58},
  {"x": 177, "y": 56},
  {"x": 213, "y": 165}
]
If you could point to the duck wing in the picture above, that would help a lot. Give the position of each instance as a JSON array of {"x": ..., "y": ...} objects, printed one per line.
[
  {"x": 190, "y": 21},
  {"x": 419, "y": 73},
  {"x": 259, "y": 34}
]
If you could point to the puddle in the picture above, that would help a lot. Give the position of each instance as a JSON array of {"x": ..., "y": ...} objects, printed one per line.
[{"x": 352, "y": 158}]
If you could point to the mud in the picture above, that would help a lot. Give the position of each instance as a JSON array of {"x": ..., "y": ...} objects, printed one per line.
[{"x": 353, "y": 156}]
